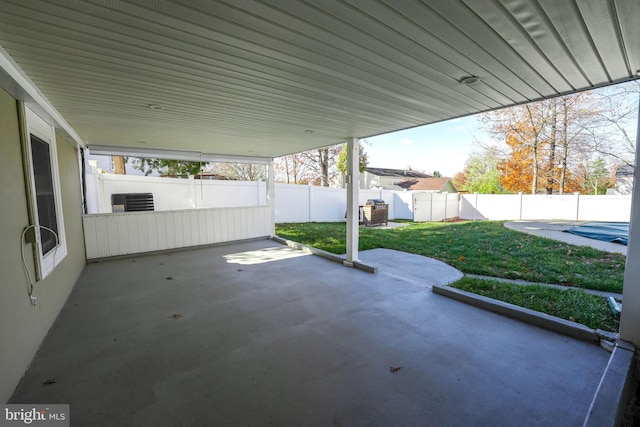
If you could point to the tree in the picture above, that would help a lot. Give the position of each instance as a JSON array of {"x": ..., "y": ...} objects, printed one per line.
[
  {"x": 168, "y": 167},
  {"x": 322, "y": 163},
  {"x": 437, "y": 174},
  {"x": 597, "y": 176},
  {"x": 481, "y": 174},
  {"x": 119, "y": 165},
  {"x": 515, "y": 173},
  {"x": 522, "y": 127},
  {"x": 363, "y": 159},
  {"x": 243, "y": 171},
  {"x": 611, "y": 130},
  {"x": 292, "y": 169},
  {"x": 548, "y": 142},
  {"x": 316, "y": 166}
]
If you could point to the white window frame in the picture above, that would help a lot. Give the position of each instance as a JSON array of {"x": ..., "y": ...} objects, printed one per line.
[{"x": 39, "y": 127}]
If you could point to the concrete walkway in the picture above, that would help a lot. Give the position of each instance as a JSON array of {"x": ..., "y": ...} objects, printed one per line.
[
  {"x": 257, "y": 333},
  {"x": 556, "y": 230}
]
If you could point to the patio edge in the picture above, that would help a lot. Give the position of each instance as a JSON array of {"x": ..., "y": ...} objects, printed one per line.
[
  {"x": 542, "y": 320},
  {"x": 324, "y": 254},
  {"x": 609, "y": 402}
]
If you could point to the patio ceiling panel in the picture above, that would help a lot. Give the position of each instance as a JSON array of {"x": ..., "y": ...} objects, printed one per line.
[{"x": 280, "y": 76}]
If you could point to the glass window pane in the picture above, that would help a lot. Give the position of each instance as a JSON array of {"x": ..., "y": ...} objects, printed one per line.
[{"x": 44, "y": 193}]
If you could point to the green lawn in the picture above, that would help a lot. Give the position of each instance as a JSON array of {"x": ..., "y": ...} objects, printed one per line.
[
  {"x": 571, "y": 304},
  {"x": 478, "y": 247}
]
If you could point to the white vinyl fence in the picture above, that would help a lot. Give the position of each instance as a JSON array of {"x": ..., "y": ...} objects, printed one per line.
[
  {"x": 308, "y": 203},
  {"x": 192, "y": 212},
  {"x": 572, "y": 207},
  {"x": 435, "y": 206},
  {"x": 174, "y": 193},
  {"x": 294, "y": 203}
]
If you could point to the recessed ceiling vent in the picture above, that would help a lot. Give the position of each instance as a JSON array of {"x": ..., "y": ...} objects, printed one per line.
[{"x": 469, "y": 80}]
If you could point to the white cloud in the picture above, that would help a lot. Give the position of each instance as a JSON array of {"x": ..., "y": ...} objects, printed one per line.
[{"x": 406, "y": 141}]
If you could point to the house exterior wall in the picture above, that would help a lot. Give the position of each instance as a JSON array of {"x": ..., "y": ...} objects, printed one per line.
[
  {"x": 22, "y": 326},
  {"x": 371, "y": 181},
  {"x": 449, "y": 187}
]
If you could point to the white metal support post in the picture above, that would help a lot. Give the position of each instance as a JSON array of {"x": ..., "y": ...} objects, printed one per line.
[
  {"x": 353, "y": 211},
  {"x": 630, "y": 317},
  {"x": 271, "y": 193}
]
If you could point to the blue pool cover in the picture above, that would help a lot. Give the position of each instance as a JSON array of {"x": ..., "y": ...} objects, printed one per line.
[{"x": 616, "y": 232}]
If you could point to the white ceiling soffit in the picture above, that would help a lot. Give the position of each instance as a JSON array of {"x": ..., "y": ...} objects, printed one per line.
[{"x": 266, "y": 78}]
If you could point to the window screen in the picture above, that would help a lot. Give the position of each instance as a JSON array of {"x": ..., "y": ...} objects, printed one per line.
[{"x": 44, "y": 193}]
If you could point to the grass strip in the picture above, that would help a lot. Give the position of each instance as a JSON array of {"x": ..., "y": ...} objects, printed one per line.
[
  {"x": 478, "y": 247},
  {"x": 570, "y": 304}
]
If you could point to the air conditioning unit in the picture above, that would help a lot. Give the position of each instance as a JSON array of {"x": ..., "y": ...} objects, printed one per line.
[{"x": 132, "y": 202}]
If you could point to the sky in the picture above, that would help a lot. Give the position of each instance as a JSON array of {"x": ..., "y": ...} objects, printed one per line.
[
  {"x": 443, "y": 147},
  {"x": 446, "y": 146}
]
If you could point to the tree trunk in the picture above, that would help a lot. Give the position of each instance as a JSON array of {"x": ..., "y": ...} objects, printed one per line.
[
  {"x": 118, "y": 165},
  {"x": 552, "y": 147},
  {"x": 534, "y": 150},
  {"x": 323, "y": 157},
  {"x": 534, "y": 180},
  {"x": 286, "y": 167},
  {"x": 565, "y": 147}
]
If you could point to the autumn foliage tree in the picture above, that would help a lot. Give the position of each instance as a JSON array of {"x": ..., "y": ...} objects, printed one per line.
[
  {"x": 553, "y": 143},
  {"x": 546, "y": 141},
  {"x": 516, "y": 172}
]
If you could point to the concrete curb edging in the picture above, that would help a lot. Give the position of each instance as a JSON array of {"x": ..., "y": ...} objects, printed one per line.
[
  {"x": 324, "y": 254},
  {"x": 608, "y": 404},
  {"x": 542, "y": 320}
]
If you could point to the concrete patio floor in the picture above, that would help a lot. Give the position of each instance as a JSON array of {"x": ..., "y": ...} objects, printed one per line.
[{"x": 257, "y": 333}]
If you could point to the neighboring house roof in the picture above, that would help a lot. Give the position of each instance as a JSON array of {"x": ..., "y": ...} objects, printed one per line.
[
  {"x": 400, "y": 173},
  {"x": 425, "y": 184},
  {"x": 624, "y": 170}
]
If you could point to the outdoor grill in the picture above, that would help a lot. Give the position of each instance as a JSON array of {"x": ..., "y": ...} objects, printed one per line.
[{"x": 375, "y": 212}]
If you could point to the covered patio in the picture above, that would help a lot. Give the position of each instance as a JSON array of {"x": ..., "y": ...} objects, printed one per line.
[
  {"x": 244, "y": 331},
  {"x": 257, "y": 333}
]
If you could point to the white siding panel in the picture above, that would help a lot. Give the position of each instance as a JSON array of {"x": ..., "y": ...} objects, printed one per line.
[
  {"x": 161, "y": 226},
  {"x": 217, "y": 226},
  {"x": 244, "y": 224},
  {"x": 129, "y": 233},
  {"x": 90, "y": 240},
  {"x": 102, "y": 237},
  {"x": 178, "y": 225},
  {"x": 152, "y": 232},
  {"x": 132, "y": 232},
  {"x": 111, "y": 230},
  {"x": 122, "y": 235},
  {"x": 201, "y": 217},
  {"x": 209, "y": 225},
  {"x": 172, "y": 230},
  {"x": 194, "y": 225}
]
